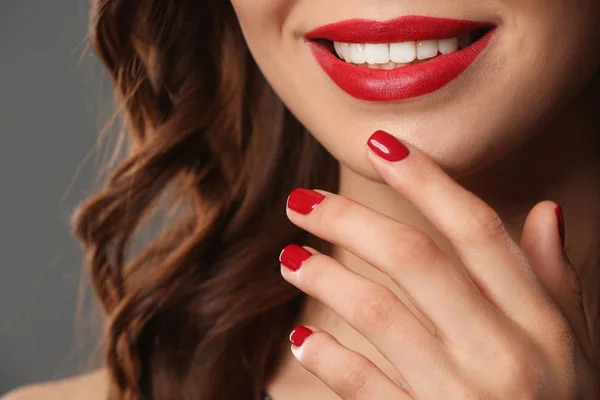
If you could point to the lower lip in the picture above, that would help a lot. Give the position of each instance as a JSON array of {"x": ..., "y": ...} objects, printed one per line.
[{"x": 400, "y": 83}]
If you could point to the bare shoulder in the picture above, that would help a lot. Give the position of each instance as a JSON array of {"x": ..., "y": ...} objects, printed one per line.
[{"x": 91, "y": 386}]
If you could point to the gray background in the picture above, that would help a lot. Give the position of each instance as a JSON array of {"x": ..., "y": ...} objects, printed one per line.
[{"x": 53, "y": 100}]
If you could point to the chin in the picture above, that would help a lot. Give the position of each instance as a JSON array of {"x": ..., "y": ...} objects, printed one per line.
[{"x": 465, "y": 82}]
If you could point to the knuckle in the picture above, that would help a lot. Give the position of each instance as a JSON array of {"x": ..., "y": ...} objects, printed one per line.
[
  {"x": 416, "y": 248},
  {"x": 354, "y": 377},
  {"x": 483, "y": 224},
  {"x": 515, "y": 370},
  {"x": 376, "y": 310}
]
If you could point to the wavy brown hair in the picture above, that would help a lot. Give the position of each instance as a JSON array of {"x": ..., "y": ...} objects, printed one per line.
[{"x": 201, "y": 310}]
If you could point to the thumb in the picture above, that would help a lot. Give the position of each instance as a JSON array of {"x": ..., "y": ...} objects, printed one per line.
[{"x": 542, "y": 245}]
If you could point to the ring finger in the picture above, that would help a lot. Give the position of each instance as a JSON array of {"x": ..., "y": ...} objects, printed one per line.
[{"x": 374, "y": 311}]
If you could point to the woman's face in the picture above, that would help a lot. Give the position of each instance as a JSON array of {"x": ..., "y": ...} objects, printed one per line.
[{"x": 465, "y": 109}]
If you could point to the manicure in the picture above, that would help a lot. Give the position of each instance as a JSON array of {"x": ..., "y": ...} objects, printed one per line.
[
  {"x": 387, "y": 146},
  {"x": 561, "y": 224},
  {"x": 293, "y": 256},
  {"x": 299, "y": 335},
  {"x": 304, "y": 201}
]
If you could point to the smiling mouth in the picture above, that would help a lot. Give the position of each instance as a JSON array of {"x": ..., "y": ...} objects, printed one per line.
[
  {"x": 400, "y": 54},
  {"x": 397, "y": 59}
]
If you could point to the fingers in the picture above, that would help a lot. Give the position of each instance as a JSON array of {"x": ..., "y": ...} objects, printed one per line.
[
  {"x": 438, "y": 289},
  {"x": 541, "y": 243},
  {"x": 492, "y": 259},
  {"x": 348, "y": 373},
  {"x": 375, "y": 312}
]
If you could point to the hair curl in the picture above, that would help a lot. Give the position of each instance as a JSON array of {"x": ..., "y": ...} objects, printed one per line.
[{"x": 200, "y": 311}]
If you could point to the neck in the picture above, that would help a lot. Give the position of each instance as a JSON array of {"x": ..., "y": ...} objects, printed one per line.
[{"x": 560, "y": 163}]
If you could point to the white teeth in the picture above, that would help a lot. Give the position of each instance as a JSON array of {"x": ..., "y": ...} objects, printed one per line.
[
  {"x": 346, "y": 52},
  {"x": 403, "y": 52},
  {"x": 357, "y": 53},
  {"x": 395, "y": 55},
  {"x": 377, "y": 53},
  {"x": 427, "y": 49},
  {"x": 338, "y": 49},
  {"x": 448, "y": 46}
]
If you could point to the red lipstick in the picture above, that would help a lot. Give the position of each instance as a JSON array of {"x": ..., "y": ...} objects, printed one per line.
[{"x": 399, "y": 83}]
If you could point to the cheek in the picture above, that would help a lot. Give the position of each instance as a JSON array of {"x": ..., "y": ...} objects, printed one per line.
[
  {"x": 555, "y": 38},
  {"x": 551, "y": 54},
  {"x": 263, "y": 26},
  {"x": 258, "y": 17}
]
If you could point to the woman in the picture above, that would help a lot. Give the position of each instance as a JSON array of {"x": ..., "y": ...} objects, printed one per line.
[{"x": 445, "y": 141}]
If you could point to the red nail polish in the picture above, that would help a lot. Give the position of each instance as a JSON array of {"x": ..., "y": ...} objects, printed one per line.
[
  {"x": 299, "y": 334},
  {"x": 304, "y": 200},
  {"x": 292, "y": 256},
  {"x": 561, "y": 224},
  {"x": 387, "y": 146}
]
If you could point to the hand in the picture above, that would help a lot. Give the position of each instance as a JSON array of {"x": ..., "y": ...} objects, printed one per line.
[{"x": 512, "y": 327}]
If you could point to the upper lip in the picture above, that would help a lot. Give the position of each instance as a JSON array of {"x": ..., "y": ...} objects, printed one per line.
[{"x": 401, "y": 29}]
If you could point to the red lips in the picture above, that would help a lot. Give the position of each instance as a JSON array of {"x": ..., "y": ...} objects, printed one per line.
[{"x": 400, "y": 83}]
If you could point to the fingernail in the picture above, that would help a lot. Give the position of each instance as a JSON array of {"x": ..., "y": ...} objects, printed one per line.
[
  {"x": 387, "y": 146},
  {"x": 304, "y": 201},
  {"x": 561, "y": 224},
  {"x": 299, "y": 335},
  {"x": 292, "y": 256}
]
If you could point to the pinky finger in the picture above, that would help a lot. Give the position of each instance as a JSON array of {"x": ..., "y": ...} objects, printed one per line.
[{"x": 351, "y": 375}]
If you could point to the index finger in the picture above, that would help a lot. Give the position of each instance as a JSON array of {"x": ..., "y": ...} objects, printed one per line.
[{"x": 493, "y": 260}]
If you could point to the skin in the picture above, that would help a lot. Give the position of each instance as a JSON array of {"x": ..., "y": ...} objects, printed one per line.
[
  {"x": 512, "y": 137},
  {"x": 492, "y": 154},
  {"x": 489, "y": 340}
]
